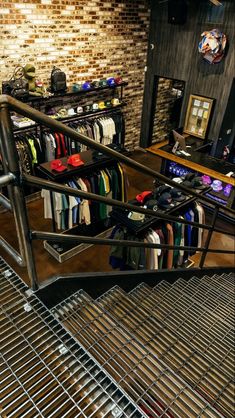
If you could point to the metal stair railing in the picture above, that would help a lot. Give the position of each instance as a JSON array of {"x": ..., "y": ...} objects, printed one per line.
[{"x": 14, "y": 181}]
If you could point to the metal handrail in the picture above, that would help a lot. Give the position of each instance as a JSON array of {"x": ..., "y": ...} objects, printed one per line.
[
  {"x": 57, "y": 126},
  {"x": 12, "y": 177}
]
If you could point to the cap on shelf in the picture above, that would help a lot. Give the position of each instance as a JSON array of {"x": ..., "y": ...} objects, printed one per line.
[
  {"x": 57, "y": 165},
  {"x": 75, "y": 160}
]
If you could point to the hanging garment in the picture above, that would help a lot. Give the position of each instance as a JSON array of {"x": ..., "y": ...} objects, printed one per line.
[{"x": 84, "y": 212}]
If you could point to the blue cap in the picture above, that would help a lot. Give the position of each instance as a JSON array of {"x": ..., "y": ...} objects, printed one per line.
[
  {"x": 111, "y": 81},
  {"x": 86, "y": 85}
]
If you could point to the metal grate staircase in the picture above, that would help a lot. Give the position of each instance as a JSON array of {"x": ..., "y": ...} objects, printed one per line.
[
  {"x": 171, "y": 347},
  {"x": 166, "y": 351},
  {"x": 44, "y": 372}
]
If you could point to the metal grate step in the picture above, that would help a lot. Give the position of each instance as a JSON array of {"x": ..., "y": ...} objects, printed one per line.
[
  {"x": 144, "y": 376},
  {"x": 44, "y": 372},
  {"x": 142, "y": 321},
  {"x": 143, "y": 290},
  {"x": 205, "y": 332},
  {"x": 214, "y": 350}
]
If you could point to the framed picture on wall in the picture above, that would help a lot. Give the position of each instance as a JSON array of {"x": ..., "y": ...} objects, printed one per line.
[{"x": 198, "y": 115}]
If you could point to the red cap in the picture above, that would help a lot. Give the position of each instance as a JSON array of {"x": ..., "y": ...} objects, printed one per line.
[
  {"x": 142, "y": 196},
  {"x": 57, "y": 165},
  {"x": 118, "y": 80},
  {"x": 75, "y": 160}
]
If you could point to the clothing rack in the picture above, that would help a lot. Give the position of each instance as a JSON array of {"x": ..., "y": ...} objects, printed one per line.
[
  {"x": 99, "y": 228},
  {"x": 156, "y": 231}
]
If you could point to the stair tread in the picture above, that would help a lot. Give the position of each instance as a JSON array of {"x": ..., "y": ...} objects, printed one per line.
[
  {"x": 44, "y": 371},
  {"x": 115, "y": 326}
]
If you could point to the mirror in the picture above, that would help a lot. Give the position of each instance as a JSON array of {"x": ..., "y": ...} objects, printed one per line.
[{"x": 166, "y": 107}]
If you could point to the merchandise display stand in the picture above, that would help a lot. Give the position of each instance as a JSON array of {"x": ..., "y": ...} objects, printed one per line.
[
  {"x": 141, "y": 228},
  {"x": 98, "y": 229},
  {"x": 199, "y": 161},
  {"x": 151, "y": 222},
  {"x": 68, "y": 99},
  {"x": 73, "y": 99}
]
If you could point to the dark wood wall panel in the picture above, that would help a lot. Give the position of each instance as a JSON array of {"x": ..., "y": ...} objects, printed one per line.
[{"x": 175, "y": 55}]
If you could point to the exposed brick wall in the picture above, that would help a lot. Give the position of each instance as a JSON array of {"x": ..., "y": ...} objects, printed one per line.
[{"x": 87, "y": 39}]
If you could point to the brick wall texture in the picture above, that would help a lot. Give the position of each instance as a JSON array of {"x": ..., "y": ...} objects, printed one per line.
[{"x": 86, "y": 39}]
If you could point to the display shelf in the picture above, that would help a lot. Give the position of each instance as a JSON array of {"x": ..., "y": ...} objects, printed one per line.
[
  {"x": 92, "y": 161},
  {"x": 77, "y": 117},
  {"x": 203, "y": 164},
  {"x": 71, "y": 93},
  {"x": 64, "y": 251},
  {"x": 141, "y": 227}
]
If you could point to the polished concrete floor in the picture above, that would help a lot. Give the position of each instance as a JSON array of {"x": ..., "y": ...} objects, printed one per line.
[{"x": 96, "y": 258}]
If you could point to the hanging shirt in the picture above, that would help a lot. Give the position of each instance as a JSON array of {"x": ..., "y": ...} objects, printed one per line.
[
  {"x": 84, "y": 213},
  {"x": 201, "y": 219},
  {"x": 170, "y": 241},
  {"x": 182, "y": 242},
  {"x": 58, "y": 206},
  {"x": 33, "y": 151},
  {"x": 45, "y": 194}
]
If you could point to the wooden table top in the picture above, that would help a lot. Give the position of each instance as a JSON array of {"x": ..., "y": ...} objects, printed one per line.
[{"x": 196, "y": 161}]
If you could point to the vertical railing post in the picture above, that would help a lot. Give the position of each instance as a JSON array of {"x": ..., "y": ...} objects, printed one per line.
[
  {"x": 10, "y": 163},
  {"x": 208, "y": 238}
]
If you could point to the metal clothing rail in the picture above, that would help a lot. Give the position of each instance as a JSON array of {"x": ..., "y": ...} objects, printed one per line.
[
  {"x": 7, "y": 102},
  {"x": 14, "y": 181}
]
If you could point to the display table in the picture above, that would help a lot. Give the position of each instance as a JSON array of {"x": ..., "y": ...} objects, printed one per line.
[{"x": 198, "y": 161}]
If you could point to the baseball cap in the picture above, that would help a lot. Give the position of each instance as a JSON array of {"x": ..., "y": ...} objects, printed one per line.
[
  {"x": 75, "y": 160},
  {"x": 87, "y": 108},
  {"x": 177, "y": 180},
  {"x": 111, "y": 81},
  {"x": 102, "y": 105},
  {"x": 71, "y": 111},
  {"x": 141, "y": 197},
  {"x": 108, "y": 103},
  {"x": 206, "y": 179},
  {"x": 115, "y": 101},
  {"x": 197, "y": 183},
  {"x": 86, "y": 85},
  {"x": 95, "y": 84},
  {"x": 62, "y": 113},
  {"x": 95, "y": 106},
  {"x": 79, "y": 109},
  {"x": 103, "y": 83},
  {"x": 177, "y": 195},
  {"x": 217, "y": 185},
  {"x": 160, "y": 190},
  {"x": 187, "y": 183},
  {"x": 152, "y": 204},
  {"x": 57, "y": 165},
  {"x": 135, "y": 216},
  {"x": 76, "y": 87},
  {"x": 165, "y": 201},
  {"x": 118, "y": 80},
  {"x": 190, "y": 176}
]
